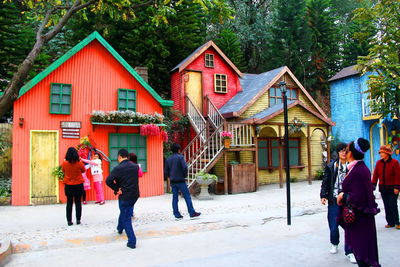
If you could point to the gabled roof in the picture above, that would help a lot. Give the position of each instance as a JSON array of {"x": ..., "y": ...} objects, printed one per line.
[
  {"x": 277, "y": 109},
  {"x": 256, "y": 85},
  {"x": 94, "y": 36},
  {"x": 345, "y": 72},
  {"x": 200, "y": 50}
]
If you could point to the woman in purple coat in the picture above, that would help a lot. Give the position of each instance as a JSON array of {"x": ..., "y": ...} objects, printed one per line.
[{"x": 358, "y": 194}]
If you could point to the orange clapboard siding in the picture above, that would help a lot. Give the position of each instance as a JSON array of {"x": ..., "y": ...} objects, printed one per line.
[{"x": 95, "y": 75}]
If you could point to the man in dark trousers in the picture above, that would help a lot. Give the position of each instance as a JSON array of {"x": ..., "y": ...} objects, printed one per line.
[
  {"x": 387, "y": 172},
  {"x": 176, "y": 169},
  {"x": 123, "y": 179},
  {"x": 334, "y": 175}
]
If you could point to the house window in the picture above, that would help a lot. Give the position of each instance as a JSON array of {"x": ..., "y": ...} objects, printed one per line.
[
  {"x": 268, "y": 152},
  {"x": 220, "y": 83},
  {"x": 60, "y": 98},
  {"x": 135, "y": 143},
  {"x": 275, "y": 95},
  {"x": 126, "y": 99},
  {"x": 209, "y": 60}
]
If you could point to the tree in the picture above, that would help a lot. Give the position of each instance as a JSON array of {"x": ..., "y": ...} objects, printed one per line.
[
  {"x": 289, "y": 43},
  {"x": 229, "y": 43},
  {"x": 324, "y": 45},
  {"x": 383, "y": 59},
  {"x": 53, "y": 15}
]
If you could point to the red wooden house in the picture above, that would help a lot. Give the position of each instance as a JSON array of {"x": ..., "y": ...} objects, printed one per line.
[{"x": 54, "y": 110}]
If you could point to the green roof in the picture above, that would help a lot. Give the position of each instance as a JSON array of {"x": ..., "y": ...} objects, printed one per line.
[
  {"x": 1, "y": 93},
  {"x": 76, "y": 49}
]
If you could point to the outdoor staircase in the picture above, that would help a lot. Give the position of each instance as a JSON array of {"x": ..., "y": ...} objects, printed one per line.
[{"x": 203, "y": 151}]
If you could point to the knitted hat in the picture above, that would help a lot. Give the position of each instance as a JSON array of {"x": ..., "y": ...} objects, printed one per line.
[{"x": 385, "y": 149}]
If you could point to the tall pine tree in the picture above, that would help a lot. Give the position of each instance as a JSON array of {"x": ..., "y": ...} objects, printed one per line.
[{"x": 289, "y": 43}]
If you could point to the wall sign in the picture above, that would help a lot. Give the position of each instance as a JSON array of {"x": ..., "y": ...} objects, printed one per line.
[{"x": 70, "y": 129}]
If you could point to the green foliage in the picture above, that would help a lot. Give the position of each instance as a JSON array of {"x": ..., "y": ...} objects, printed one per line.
[
  {"x": 289, "y": 44},
  {"x": 177, "y": 126},
  {"x": 319, "y": 174},
  {"x": 5, "y": 187},
  {"x": 383, "y": 59},
  {"x": 293, "y": 180},
  {"x": 58, "y": 173},
  {"x": 206, "y": 176},
  {"x": 229, "y": 43},
  {"x": 324, "y": 45},
  {"x": 5, "y": 152}
]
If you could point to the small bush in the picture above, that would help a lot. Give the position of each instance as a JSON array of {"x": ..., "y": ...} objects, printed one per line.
[
  {"x": 319, "y": 175},
  {"x": 5, "y": 187},
  {"x": 293, "y": 180}
]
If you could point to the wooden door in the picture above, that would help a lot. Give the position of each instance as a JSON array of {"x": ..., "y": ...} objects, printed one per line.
[
  {"x": 44, "y": 157},
  {"x": 194, "y": 90}
]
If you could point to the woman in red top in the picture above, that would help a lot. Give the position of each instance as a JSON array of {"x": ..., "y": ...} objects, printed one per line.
[{"x": 73, "y": 180}]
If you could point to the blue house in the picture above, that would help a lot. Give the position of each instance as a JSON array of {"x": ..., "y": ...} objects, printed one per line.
[{"x": 351, "y": 110}]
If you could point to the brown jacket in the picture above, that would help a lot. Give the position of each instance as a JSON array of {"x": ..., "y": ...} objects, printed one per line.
[{"x": 73, "y": 172}]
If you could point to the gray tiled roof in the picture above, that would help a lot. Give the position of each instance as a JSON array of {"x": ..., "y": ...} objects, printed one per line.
[
  {"x": 269, "y": 111},
  {"x": 251, "y": 85},
  {"x": 345, "y": 72}
]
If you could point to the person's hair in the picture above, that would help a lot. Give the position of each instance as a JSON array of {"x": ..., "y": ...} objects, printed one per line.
[
  {"x": 175, "y": 148},
  {"x": 340, "y": 147},
  {"x": 359, "y": 147},
  {"x": 72, "y": 155},
  {"x": 98, "y": 154},
  {"x": 123, "y": 153},
  {"x": 133, "y": 157}
]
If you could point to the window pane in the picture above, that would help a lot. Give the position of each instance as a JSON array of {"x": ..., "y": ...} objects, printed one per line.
[
  {"x": 131, "y": 104},
  {"x": 262, "y": 143},
  {"x": 133, "y": 140},
  {"x": 122, "y": 93},
  {"x": 64, "y": 108},
  {"x": 56, "y": 88},
  {"x": 66, "y": 89},
  {"x": 56, "y": 98},
  {"x": 294, "y": 93},
  {"x": 121, "y": 103},
  {"x": 143, "y": 164},
  {"x": 114, "y": 153},
  {"x": 272, "y": 92},
  {"x": 294, "y": 156},
  {"x": 55, "y": 108},
  {"x": 293, "y": 143},
  {"x": 142, "y": 141},
  {"x": 123, "y": 141},
  {"x": 141, "y": 153},
  {"x": 131, "y": 94},
  {"x": 113, "y": 140},
  {"x": 113, "y": 164},
  {"x": 262, "y": 158},
  {"x": 275, "y": 157},
  {"x": 272, "y": 102},
  {"x": 66, "y": 99},
  {"x": 274, "y": 143},
  {"x": 278, "y": 100}
]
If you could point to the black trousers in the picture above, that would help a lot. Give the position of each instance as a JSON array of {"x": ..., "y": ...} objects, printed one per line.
[
  {"x": 390, "y": 203},
  {"x": 74, "y": 194}
]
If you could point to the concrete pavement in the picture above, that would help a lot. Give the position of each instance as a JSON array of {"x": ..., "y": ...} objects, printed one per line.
[{"x": 234, "y": 230}]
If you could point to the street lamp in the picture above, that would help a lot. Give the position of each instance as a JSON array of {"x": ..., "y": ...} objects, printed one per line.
[{"x": 282, "y": 85}]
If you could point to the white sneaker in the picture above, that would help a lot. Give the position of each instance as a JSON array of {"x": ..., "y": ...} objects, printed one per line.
[
  {"x": 351, "y": 258},
  {"x": 333, "y": 249}
]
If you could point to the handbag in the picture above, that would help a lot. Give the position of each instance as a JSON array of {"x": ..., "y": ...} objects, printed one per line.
[{"x": 348, "y": 214}]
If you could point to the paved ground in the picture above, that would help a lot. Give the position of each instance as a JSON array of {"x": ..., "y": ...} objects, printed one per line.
[{"x": 234, "y": 230}]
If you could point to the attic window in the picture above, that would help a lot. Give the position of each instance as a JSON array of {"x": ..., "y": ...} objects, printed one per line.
[
  {"x": 220, "y": 83},
  {"x": 275, "y": 95},
  {"x": 126, "y": 99},
  {"x": 209, "y": 60},
  {"x": 60, "y": 98}
]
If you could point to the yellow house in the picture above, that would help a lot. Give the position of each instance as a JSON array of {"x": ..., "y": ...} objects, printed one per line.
[{"x": 260, "y": 105}]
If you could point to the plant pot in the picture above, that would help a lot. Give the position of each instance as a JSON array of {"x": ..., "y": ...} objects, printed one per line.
[
  {"x": 5, "y": 201},
  {"x": 204, "y": 195},
  {"x": 227, "y": 143}
]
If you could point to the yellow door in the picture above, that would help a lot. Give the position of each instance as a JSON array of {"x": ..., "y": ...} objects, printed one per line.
[
  {"x": 44, "y": 157},
  {"x": 194, "y": 90}
]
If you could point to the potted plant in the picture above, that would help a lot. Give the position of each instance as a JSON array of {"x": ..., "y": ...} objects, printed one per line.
[
  {"x": 226, "y": 136},
  {"x": 204, "y": 180},
  {"x": 58, "y": 173}
]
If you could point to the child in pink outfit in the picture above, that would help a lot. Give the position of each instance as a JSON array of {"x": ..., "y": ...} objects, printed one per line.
[{"x": 97, "y": 174}]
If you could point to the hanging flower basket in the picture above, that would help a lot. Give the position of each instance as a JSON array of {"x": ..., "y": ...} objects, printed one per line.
[{"x": 149, "y": 130}]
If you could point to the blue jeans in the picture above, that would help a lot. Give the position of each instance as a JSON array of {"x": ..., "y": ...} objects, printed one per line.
[
  {"x": 125, "y": 221},
  {"x": 176, "y": 187},
  {"x": 333, "y": 213}
]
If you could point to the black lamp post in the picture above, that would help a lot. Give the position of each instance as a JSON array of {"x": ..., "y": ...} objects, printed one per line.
[{"x": 282, "y": 85}]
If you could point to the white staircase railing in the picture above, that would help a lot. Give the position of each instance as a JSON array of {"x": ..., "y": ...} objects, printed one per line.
[
  {"x": 196, "y": 118},
  {"x": 200, "y": 155},
  {"x": 213, "y": 113}
]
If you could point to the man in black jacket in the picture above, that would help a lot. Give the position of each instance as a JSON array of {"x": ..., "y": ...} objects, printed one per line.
[
  {"x": 334, "y": 175},
  {"x": 176, "y": 169},
  {"x": 123, "y": 179}
]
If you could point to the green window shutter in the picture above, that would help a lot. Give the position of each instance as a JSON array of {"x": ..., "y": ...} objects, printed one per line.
[
  {"x": 60, "y": 98},
  {"x": 135, "y": 143},
  {"x": 262, "y": 153},
  {"x": 126, "y": 99}
]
